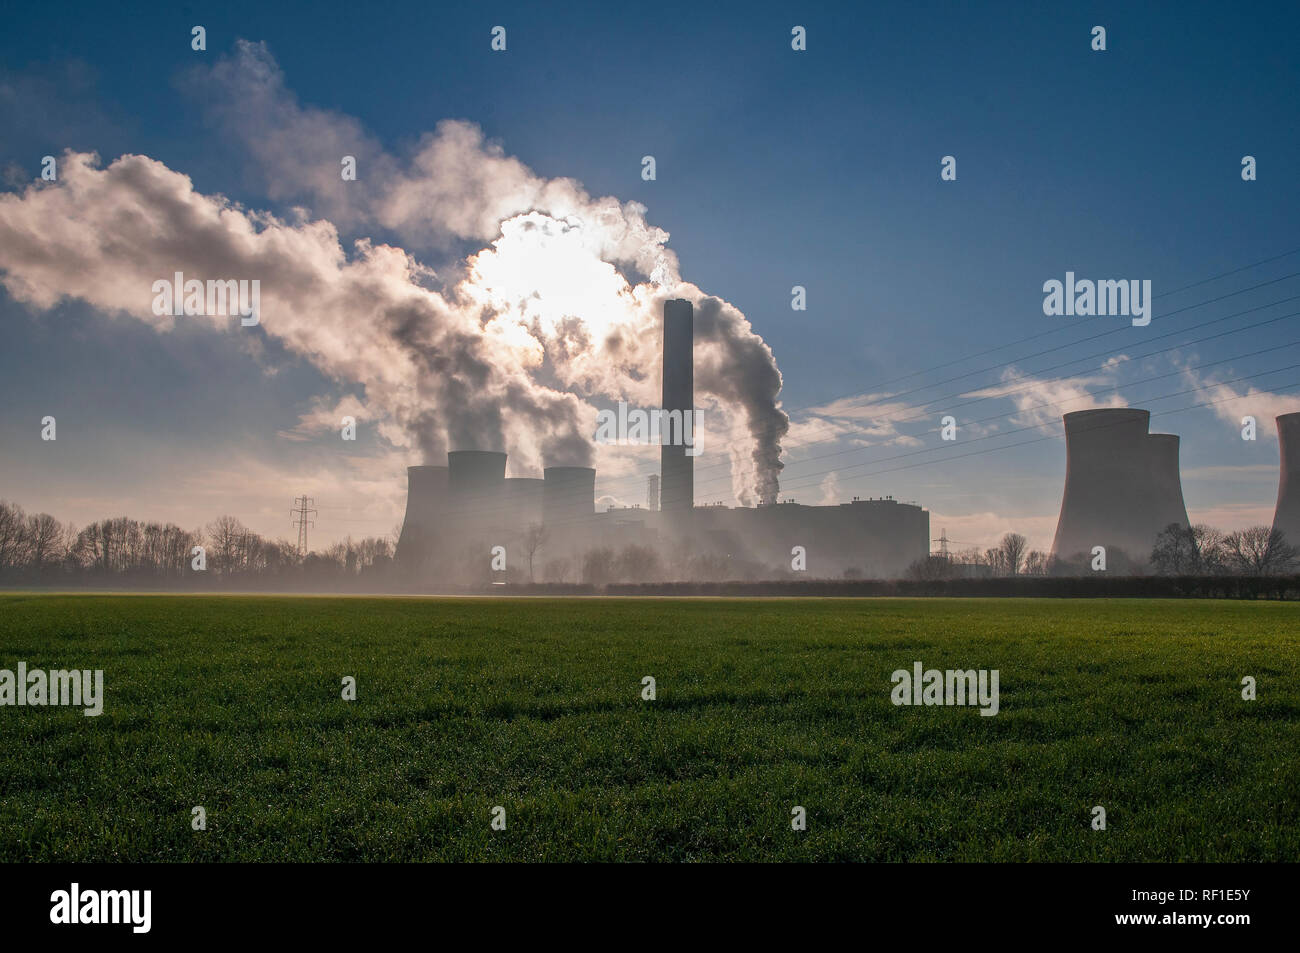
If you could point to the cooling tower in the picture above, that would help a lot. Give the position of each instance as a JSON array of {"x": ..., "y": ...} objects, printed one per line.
[
  {"x": 1286, "y": 517},
  {"x": 476, "y": 489},
  {"x": 568, "y": 497},
  {"x": 426, "y": 500},
  {"x": 677, "y": 483},
  {"x": 471, "y": 472},
  {"x": 1122, "y": 485},
  {"x": 523, "y": 502},
  {"x": 1166, "y": 483}
]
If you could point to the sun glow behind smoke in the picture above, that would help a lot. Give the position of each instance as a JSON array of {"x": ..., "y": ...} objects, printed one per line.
[{"x": 542, "y": 273}]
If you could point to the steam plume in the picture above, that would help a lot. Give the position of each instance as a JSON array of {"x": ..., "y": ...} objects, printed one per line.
[{"x": 557, "y": 302}]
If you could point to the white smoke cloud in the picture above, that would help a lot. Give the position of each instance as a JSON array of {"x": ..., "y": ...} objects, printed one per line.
[
  {"x": 863, "y": 420},
  {"x": 1230, "y": 403},
  {"x": 1041, "y": 402},
  {"x": 105, "y": 235},
  {"x": 502, "y": 351},
  {"x": 830, "y": 489},
  {"x": 325, "y": 416}
]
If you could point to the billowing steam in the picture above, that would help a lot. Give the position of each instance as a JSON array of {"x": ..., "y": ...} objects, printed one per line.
[{"x": 548, "y": 298}]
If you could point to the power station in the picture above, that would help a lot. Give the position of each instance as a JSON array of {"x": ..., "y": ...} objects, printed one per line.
[
  {"x": 1122, "y": 489},
  {"x": 1122, "y": 485},
  {"x": 457, "y": 513}
]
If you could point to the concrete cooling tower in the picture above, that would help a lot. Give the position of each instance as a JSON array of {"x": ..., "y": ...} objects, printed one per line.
[
  {"x": 523, "y": 501},
  {"x": 476, "y": 490},
  {"x": 568, "y": 496},
  {"x": 1166, "y": 484},
  {"x": 426, "y": 502},
  {"x": 1286, "y": 517},
  {"x": 1122, "y": 485},
  {"x": 569, "y": 508}
]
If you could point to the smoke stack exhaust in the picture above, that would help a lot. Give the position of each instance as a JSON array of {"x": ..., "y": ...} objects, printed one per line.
[{"x": 677, "y": 470}]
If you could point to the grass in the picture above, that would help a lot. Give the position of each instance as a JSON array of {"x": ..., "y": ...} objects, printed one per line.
[{"x": 233, "y": 703}]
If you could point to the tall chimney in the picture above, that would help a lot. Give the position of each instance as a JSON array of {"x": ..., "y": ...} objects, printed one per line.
[
  {"x": 677, "y": 483},
  {"x": 1286, "y": 517}
]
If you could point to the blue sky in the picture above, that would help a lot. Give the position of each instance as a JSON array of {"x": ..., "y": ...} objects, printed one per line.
[{"x": 775, "y": 168}]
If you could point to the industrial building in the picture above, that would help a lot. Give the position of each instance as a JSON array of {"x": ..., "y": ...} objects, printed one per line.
[
  {"x": 457, "y": 513},
  {"x": 1122, "y": 485}
]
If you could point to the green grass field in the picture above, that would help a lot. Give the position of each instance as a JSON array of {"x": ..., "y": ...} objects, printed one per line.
[{"x": 233, "y": 703}]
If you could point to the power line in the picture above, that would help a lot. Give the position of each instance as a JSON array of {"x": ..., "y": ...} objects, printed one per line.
[
  {"x": 1057, "y": 330},
  {"x": 1056, "y": 403},
  {"x": 768, "y": 431},
  {"x": 895, "y": 396},
  {"x": 1205, "y": 281},
  {"x": 837, "y": 435},
  {"x": 1023, "y": 443}
]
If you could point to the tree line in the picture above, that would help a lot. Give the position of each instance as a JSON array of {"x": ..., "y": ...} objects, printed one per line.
[
  {"x": 1178, "y": 550},
  {"x": 40, "y": 548}
]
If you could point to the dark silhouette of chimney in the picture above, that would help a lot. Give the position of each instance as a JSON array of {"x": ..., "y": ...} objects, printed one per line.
[{"x": 677, "y": 470}]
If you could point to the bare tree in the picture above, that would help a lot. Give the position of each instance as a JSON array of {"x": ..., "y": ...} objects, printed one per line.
[
  {"x": 993, "y": 559},
  {"x": 226, "y": 536},
  {"x": 534, "y": 538},
  {"x": 45, "y": 541},
  {"x": 558, "y": 570},
  {"x": 712, "y": 566},
  {"x": 13, "y": 535},
  {"x": 639, "y": 564},
  {"x": 1194, "y": 551},
  {"x": 1174, "y": 552},
  {"x": 1259, "y": 551},
  {"x": 281, "y": 555},
  {"x": 373, "y": 552},
  {"x": 598, "y": 566},
  {"x": 930, "y": 568},
  {"x": 1211, "y": 555},
  {"x": 1011, "y": 553}
]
